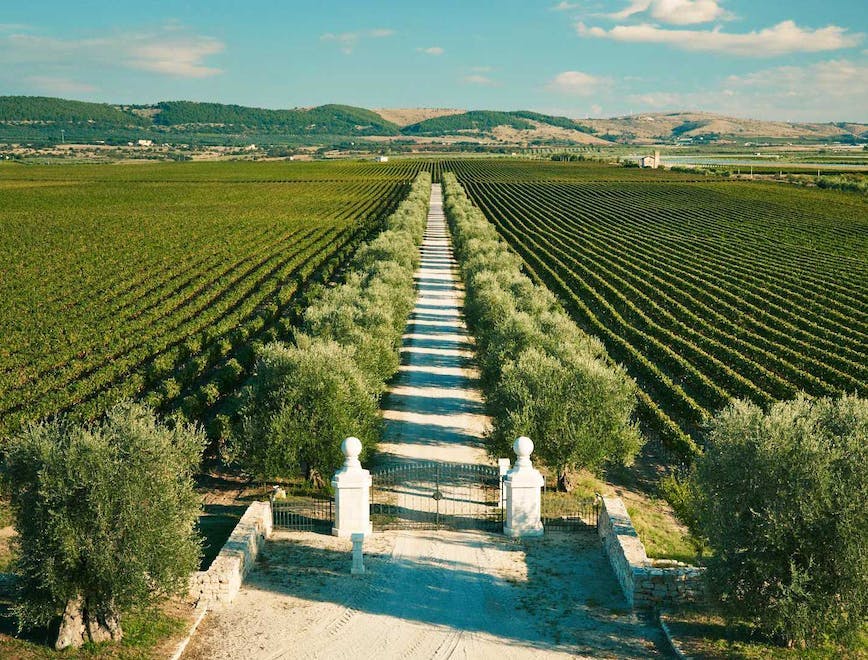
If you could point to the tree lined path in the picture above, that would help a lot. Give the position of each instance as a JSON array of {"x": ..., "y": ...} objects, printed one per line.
[
  {"x": 433, "y": 410},
  {"x": 430, "y": 594}
]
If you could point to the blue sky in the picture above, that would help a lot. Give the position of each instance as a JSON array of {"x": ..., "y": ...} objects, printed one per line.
[{"x": 795, "y": 60}]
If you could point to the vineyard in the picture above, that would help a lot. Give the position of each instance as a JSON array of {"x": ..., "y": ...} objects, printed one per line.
[
  {"x": 156, "y": 281},
  {"x": 703, "y": 290}
]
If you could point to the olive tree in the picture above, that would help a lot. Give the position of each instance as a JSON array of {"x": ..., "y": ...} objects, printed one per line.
[
  {"x": 105, "y": 518},
  {"x": 301, "y": 402},
  {"x": 578, "y": 411},
  {"x": 782, "y": 498}
]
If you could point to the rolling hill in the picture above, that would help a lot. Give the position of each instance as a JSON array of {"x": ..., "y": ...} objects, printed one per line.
[
  {"x": 656, "y": 127},
  {"x": 50, "y": 120}
]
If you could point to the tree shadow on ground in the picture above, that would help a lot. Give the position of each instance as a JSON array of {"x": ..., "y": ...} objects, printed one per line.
[
  {"x": 215, "y": 524},
  {"x": 422, "y": 433},
  {"x": 428, "y": 405},
  {"x": 558, "y": 596}
]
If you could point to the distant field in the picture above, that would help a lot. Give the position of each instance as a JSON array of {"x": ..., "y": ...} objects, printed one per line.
[
  {"x": 119, "y": 280},
  {"x": 704, "y": 290}
]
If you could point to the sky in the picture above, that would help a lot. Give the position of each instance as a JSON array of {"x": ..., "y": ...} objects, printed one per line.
[{"x": 788, "y": 60}]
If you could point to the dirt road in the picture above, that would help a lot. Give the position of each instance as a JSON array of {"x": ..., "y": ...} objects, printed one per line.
[
  {"x": 429, "y": 595},
  {"x": 433, "y": 410}
]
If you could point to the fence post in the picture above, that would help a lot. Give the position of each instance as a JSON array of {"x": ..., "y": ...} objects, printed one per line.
[
  {"x": 352, "y": 486},
  {"x": 523, "y": 497}
]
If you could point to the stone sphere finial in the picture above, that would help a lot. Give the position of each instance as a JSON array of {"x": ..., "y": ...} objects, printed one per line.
[
  {"x": 351, "y": 447},
  {"x": 523, "y": 448}
]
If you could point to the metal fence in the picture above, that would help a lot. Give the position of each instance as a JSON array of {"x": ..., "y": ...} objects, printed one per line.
[
  {"x": 570, "y": 515},
  {"x": 313, "y": 514}
]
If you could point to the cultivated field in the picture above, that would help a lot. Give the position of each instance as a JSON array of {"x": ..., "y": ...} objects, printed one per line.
[
  {"x": 157, "y": 278},
  {"x": 704, "y": 290},
  {"x": 121, "y": 280}
]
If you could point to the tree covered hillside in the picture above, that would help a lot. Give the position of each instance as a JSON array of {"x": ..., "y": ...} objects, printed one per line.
[
  {"x": 322, "y": 120},
  {"x": 484, "y": 121},
  {"x": 560, "y": 122},
  {"x": 47, "y": 109},
  {"x": 335, "y": 120},
  {"x": 475, "y": 120}
]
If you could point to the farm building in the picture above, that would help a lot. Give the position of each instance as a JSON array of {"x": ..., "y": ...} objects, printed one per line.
[
  {"x": 650, "y": 161},
  {"x": 145, "y": 143},
  {"x": 382, "y": 159}
]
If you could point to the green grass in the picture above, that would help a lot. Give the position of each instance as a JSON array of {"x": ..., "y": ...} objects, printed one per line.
[
  {"x": 705, "y": 634},
  {"x": 663, "y": 536},
  {"x": 147, "y": 635}
]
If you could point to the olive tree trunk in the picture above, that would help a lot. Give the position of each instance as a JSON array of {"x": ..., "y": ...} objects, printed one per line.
[
  {"x": 82, "y": 624},
  {"x": 565, "y": 480}
]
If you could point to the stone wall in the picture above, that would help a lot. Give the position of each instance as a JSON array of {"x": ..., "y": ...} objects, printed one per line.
[
  {"x": 221, "y": 582},
  {"x": 645, "y": 582}
]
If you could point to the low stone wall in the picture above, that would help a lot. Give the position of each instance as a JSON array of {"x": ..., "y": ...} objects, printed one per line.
[
  {"x": 646, "y": 583},
  {"x": 221, "y": 582}
]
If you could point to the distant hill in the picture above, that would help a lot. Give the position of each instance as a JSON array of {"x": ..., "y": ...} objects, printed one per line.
[
  {"x": 703, "y": 126},
  {"x": 475, "y": 121},
  {"x": 191, "y": 118},
  {"x": 48, "y": 120},
  {"x": 519, "y": 127},
  {"x": 406, "y": 116},
  {"x": 48, "y": 109},
  {"x": 322, "y": 120}
]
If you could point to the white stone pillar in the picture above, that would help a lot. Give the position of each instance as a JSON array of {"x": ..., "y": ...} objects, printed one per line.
[
  {"x": 502, "y": 469},
  {"x": 523, "y": 493},
  {"x": 352, "y": 486},
  {"x": 358, "y": 567}
]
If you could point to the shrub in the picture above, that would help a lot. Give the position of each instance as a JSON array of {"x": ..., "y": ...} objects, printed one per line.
[
  {"x": 301, "y": 402},
  {"x": 782, "y": 498},
  {"x": 105, "y": 517}
]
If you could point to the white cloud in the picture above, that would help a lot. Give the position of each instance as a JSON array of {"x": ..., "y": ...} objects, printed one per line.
[
  {"x": 168, "y": 51},
  {"x": 433, "y": 50},
  {"x": 832, "y": 90},
  {"x": 566, "y": 6},
  {"x": 349, "y": 40},
  {"x": 477, "y": 79},
  {"x": 783, "y": 38},
  {"x": 59, "y": 85},
  {"x": 183, "y": 58},
  {"x": 576, "y": 83},
  {"x": 677, "y": 12}
]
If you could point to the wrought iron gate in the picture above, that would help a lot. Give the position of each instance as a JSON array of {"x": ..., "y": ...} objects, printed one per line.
[{"x": 437, "y": 495}]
